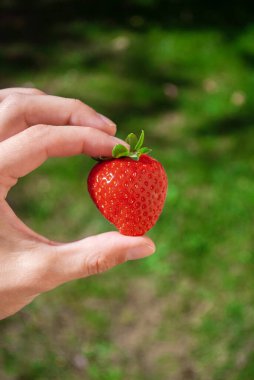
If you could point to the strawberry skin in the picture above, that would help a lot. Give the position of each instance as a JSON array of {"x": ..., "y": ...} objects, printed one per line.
[{"x": 129, "y": 193}]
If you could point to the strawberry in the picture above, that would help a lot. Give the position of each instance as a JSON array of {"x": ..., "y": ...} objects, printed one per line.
[{"x": 129, "y": 189}]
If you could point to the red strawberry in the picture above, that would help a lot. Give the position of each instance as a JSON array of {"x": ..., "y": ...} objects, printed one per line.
[{"x": 130, "y": 189}]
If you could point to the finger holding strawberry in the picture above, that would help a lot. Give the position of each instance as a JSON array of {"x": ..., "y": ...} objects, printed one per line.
[
  {"x": 33, "y": 127},
  {"x": 130, "y": 188}
]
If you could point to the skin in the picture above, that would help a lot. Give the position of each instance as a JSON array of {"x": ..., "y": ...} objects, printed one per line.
[{"x": 33, "y": 127}]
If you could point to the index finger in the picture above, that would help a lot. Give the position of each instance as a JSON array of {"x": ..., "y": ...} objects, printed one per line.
[
  {"x": 19, "y": 111},
  {"x": 21, "y": 154}
]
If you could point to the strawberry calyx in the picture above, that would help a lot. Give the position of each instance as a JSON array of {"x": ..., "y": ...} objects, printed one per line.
[{"x": 135, "y": 150}]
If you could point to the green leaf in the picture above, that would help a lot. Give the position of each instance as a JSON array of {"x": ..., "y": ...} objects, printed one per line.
[
  {"x": 119, "y": 151},
  {"x": 135, "y": 150},
  {"x": 144, "y": 150},
  {"x": 140, "y": 140},
  {"x": 132, "y": 141}
]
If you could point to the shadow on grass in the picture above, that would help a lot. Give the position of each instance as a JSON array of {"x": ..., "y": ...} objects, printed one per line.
[
  {"x": 44, "y": 23},
  {"x": 248, "y": 59},
  {"x": 44, "y": 17},
  {"x": 231, "y": 125}
]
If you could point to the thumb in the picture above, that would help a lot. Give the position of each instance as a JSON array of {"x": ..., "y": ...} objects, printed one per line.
[{"x": 94, "y": 255}]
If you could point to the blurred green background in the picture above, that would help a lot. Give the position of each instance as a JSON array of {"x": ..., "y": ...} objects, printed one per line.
[{"x": 184, "y": 72}]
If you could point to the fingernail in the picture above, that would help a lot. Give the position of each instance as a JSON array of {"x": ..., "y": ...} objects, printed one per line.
[
  {"x": 107, "y": 121},
  {"x": 120, "y": 141},
  {"x": 140, "y": 252}
]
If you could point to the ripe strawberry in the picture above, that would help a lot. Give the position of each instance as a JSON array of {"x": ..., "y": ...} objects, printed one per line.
[{"x": 130, "y": 189}]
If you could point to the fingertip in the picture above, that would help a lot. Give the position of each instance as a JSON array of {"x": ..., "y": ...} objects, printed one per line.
[
  {"x": 140, "y": 251},
  {"x": 111, "y": 126},
  {"x": 129, "y": 240},
  {"x": 137, "y": 247},
  {"x": 122, "y": 142},
  {"x": 112, "y": 129},
  {"x": 126, "y": 247},
  {"x": 150, "y": 242}
]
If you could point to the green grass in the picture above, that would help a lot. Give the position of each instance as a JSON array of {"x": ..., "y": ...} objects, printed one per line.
[{"x": 188, "y": 311}]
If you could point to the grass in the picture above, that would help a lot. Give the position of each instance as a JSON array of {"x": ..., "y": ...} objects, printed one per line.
[{"x": 187, "y": 312}]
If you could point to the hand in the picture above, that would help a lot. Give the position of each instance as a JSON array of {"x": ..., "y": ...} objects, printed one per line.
[{"x": 33, "y": 127}]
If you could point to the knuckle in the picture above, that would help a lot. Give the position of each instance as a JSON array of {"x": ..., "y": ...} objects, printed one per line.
[
  {"x": 35, "y": 91},
  {"x": 76, "y": 103},
  {"x": 39, "y": 130},
  {"x": 45, "y": 134},
  {"x": 16, "y": 99},
  {"x": 12, "y": 100},
  {"x": 97, "y": 264}
]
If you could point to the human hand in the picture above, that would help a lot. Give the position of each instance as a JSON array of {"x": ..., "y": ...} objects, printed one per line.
[{"x": 33, "y": 127}]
